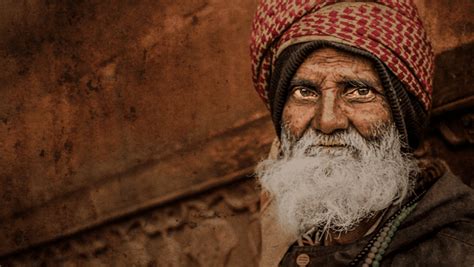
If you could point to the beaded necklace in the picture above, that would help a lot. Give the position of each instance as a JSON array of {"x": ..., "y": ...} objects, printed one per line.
[
  {"x": 372, "y": 254},
  {"x": 377, "y": 246}
]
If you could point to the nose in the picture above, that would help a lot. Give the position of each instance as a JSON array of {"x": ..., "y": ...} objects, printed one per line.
[{"x": 329, "y": 116}]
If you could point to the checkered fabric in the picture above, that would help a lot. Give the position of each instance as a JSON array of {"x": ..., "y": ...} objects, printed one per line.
[{"x": 389, "y": 29}]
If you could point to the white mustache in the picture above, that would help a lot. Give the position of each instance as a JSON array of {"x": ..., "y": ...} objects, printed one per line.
[{"x": 349, "y": 141}]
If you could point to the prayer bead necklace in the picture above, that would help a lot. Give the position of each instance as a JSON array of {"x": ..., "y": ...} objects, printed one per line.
[{"x": 377, "y": 246}]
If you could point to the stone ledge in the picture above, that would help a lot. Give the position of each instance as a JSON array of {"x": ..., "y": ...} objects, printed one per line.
[{"x": 228, "y": 157}]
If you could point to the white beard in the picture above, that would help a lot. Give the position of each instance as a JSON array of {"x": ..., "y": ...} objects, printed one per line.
[{"x": 334, "y": 188}]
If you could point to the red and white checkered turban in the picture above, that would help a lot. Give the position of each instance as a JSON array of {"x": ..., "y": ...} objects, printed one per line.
[{"x": 391, "y": 30}]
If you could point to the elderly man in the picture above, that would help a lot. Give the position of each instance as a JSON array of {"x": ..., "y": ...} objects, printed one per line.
[{"x": 349, "y": 84}]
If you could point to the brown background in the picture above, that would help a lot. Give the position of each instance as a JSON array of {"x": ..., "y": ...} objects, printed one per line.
[{"x": 128, "y": 129}]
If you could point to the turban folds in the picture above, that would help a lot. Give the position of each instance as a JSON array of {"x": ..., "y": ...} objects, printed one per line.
[{"x": 390, "y": 30}]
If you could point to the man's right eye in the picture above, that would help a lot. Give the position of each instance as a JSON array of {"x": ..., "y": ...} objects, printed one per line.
[{"x": 303, "y": 93}]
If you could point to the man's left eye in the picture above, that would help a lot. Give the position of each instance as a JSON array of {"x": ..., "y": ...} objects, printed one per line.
[{"x": 362, "y": 93}]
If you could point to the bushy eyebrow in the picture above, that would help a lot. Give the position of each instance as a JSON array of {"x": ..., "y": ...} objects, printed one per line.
[
  {"x": 359, "y": 82},
  {"x": 303, "y": 82}
]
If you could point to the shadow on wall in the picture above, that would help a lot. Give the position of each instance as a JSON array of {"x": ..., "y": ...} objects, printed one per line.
[
  {"x": 451, "y": 133},
  {"x": 453, "y": 77}
]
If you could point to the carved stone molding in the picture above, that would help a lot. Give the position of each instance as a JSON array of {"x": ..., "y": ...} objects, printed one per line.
[
  {"x": 217, "y": 228},
  {"x": 224, "y": 158}
]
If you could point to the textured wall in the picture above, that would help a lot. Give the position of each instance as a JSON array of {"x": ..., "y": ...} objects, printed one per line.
[
  {"x": 110, "y": 108},
  {"x": 94, "y": 93},
  {"x": 92, "y": 88}
]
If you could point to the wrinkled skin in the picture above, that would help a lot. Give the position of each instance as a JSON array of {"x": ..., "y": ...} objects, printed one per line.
[
  {"x": 330, "y": 92},
  {"x": 333, "y": 90}
]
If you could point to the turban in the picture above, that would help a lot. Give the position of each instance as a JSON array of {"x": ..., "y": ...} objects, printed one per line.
[{"x": 389, "y": 32}]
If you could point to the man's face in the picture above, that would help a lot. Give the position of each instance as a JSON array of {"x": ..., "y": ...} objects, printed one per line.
[
  {"x": 341, "y": 158},
  {"x": 333, "y": 90}
]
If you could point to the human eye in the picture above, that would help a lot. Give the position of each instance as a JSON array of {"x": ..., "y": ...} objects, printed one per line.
[
  {"x": 304, "y": 93},
  {"x": 362, "y": 94}
]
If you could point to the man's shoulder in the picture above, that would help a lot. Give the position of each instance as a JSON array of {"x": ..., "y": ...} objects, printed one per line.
[
  {"x": 460, "y": 231},
  {"x": 455, "y": 210},
  {"x": 440, "y": 231},
  {"x": 446, "y": 204},
  {"x": 449, "y": 246},
  {"x": 449, "y": 194}
]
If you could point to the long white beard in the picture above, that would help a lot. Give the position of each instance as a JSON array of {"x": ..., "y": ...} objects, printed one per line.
[{"x": 335, "y": 188}]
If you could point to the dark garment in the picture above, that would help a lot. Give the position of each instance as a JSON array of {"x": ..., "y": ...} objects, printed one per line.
[{"x": 439, "y": 232}]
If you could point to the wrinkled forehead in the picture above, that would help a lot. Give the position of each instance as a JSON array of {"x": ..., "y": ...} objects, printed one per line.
[
  {"x": 340, "y": 64},
  {"x": 328, "y": 55}
]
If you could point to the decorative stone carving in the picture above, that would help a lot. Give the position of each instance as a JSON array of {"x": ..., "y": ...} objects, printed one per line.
[{"x": 217, "y": 228}]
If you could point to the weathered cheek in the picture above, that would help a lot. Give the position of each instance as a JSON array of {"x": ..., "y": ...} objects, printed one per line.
[
  {"x": 297, "y": 118},
  {"x": 366, "y": 119}
]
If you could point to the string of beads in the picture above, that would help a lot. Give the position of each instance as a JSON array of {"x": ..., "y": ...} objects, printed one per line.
[{"x": 372, "y": 254}]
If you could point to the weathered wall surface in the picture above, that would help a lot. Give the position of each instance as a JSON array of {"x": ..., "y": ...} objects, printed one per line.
[
  {"x": 138, "y": 119},
  {"x": 449, "y": 23},
  {"x": 92, "y": 88}
]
